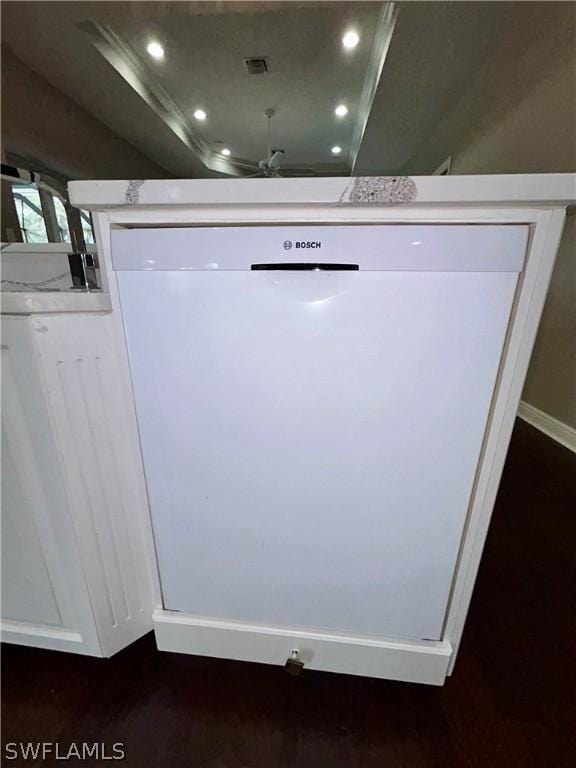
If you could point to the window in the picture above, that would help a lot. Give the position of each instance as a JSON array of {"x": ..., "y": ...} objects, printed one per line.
[
  {"x": 30, "y": 214},
  {"x": 43, "y": 217},
  {"x": 87, "y": 227},
  {"x": 62, "y": 219}
]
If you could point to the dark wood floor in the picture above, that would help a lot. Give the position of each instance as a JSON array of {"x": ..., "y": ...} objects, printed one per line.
[{"x": 510, "y": 703}]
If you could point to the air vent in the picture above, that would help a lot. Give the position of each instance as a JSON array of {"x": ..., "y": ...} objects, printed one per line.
[{"x": 259, "y": 65}]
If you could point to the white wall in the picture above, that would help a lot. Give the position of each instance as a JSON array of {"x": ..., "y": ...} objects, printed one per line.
[{"x": 519, "y": 116}]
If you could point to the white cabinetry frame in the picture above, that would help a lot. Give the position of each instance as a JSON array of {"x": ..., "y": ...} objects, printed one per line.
[{"x": 90, "y": 404}]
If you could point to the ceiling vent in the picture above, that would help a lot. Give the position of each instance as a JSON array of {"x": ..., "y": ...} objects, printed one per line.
[{"x": 258, "y": 65}]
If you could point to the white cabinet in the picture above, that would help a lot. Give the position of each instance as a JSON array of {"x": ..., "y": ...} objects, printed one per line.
[
  {"x": 45, "y": 597},
  {"x": 323, "y": 448},
  {"x": 74, "y": 568}
]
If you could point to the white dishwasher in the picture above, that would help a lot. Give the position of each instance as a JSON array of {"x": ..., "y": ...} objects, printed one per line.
[{"x": 312, "y": 402}]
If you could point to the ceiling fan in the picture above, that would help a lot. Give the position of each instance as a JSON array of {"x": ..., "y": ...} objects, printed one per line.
[{"x": 271, "y": 165}]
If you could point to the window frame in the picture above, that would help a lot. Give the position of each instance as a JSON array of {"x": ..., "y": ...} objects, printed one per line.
[{"x": 79, "y": 222}]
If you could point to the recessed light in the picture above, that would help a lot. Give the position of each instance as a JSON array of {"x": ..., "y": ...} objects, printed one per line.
[
  {"x": 341, "y": 110},
  {"x": 416, "y": 242},
  {"x": 336, "y": 150},
  {"x": 350, "y": 39},
  {"x": 226, "y": 152},
  {"x": 155, "y": 50},
  {"x": 199, "y": 114}
]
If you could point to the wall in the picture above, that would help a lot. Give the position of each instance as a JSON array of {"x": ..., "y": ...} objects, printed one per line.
[
  {"x": 43, "y": 125},
  {"x": 519, "y": 116}
]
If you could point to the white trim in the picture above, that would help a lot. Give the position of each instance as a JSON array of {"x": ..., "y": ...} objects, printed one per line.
[
  {"x": 423, "y": 662},
  {"x": 515, "y": 359},
  {"x": 46, "y": 302},
  {"x": 135, "y": 217},
  {"x": 550, "y": 426},
  {"x": 135, "y": 482},
  {"x": 45, "y": 636},
  {"x": 40, "y": 630}
]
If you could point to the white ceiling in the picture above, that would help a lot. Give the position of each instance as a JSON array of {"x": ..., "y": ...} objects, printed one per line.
[
  {"x": 95, "y": 52},
  {"x": 310, "y": 74}
]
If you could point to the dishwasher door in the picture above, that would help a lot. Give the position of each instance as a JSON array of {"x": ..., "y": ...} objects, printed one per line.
[{"x": 310, "y": 436}]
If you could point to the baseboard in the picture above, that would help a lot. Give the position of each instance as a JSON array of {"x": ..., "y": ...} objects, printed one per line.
[
  {"x": 415, "y": 662},
  {"x": 555, "y": 429}
]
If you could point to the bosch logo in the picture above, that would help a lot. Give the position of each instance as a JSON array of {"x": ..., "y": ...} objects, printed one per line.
[
  {"x": 308, "y": 244},
  {"x": 288, "y": 244}
]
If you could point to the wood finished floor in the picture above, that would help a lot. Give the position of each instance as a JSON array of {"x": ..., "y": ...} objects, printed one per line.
[{"x": 510, "y": 703}]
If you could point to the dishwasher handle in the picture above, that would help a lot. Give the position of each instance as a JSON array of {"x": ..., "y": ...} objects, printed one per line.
[{"x": 309, "y": 266}]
